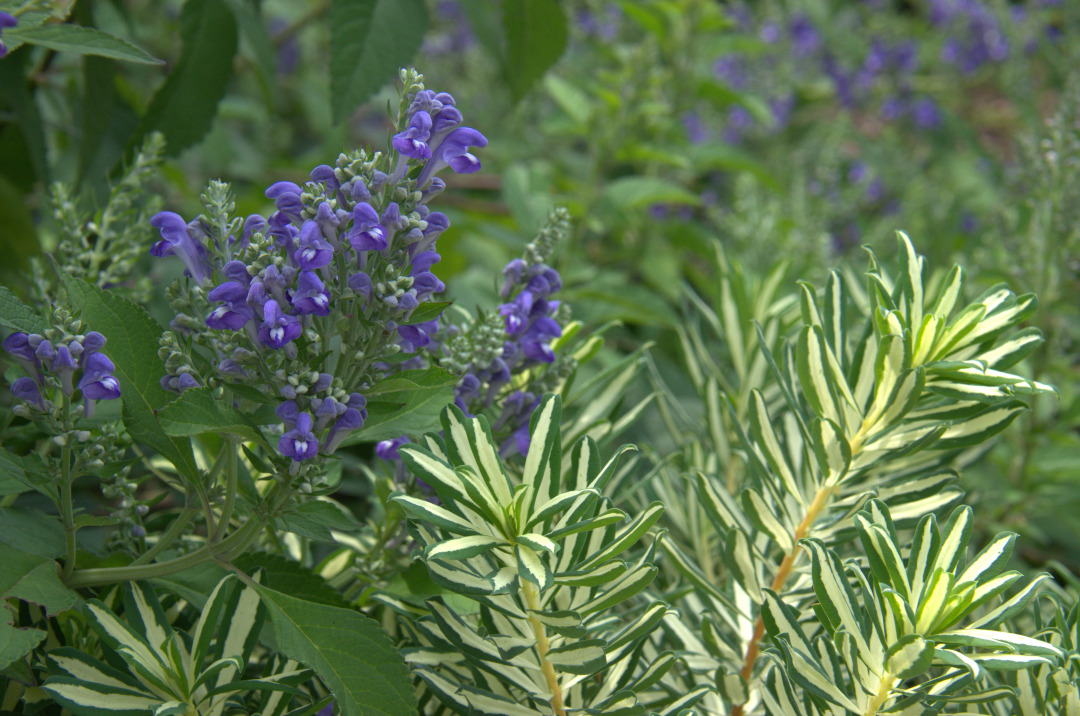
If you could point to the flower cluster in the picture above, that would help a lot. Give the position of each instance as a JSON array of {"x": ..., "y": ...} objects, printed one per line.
[
  {"x": 62, "y": 359},
  {"x": 306, "y": 303}
]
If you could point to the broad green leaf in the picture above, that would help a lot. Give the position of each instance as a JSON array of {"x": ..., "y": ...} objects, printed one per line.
[
  {"x": 407, "y": 403},
  {"x": 425, "y": 312},
  {"x": 315, "y": 518},
  {"x": 183, "y": 109},
  {"x": 21, "y": 473},
  {"x": 81, "y": 41},
  {"x": 132, "y": 342},
  {"x": 16, "y": 315},
  {"x": 369, "y": 41},
  {"x": 536, "y": 33},
  {"x": 197, "y": 411},
  {"x": 349, "y": 652},
  {"x": 34, "y": 578}
]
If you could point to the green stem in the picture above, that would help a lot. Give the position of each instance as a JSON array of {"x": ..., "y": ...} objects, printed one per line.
[
  {"x": 235, "y": 543},
  {"x": 230, "y": 487},
  {"x": 182, "y": 520},
  {"x": 67, "y": 513}
]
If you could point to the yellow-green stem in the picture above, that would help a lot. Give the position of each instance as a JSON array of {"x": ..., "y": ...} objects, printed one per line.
[
  {"x": 178, "y": 524},
  {"x": 532, "y": 599},
  {"x": 882, "y": 695}
]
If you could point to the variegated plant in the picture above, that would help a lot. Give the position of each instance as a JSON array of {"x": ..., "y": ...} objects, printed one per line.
[
  {"x": 881, "y": 393},
  {"x": 150, "y": 667},
  {"x": 923, "y": 634},
  {"x": 536, "y": 557}
]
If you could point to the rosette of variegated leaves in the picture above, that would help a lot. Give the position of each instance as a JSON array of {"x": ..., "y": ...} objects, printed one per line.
[
  {"x": 884, "y": 391},
  {"x": 150, "y": 665},
  {"x": 548, "y": 625},
  {"x": 900, "y": 632}
]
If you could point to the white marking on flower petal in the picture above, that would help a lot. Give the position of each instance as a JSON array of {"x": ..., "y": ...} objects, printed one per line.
[
  {"x": 299, "y": 447},
  {"x": 110, "y": 382},
  {"x": 277, "y": 334}
]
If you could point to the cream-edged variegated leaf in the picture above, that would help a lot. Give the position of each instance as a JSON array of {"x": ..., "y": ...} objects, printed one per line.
[
  {"x": 557, "y": 504},
  {"x": 144, "y": 614},
  {"x": 463, "y": 547},
  {"x": 720, "y": 505},
  {"x": 592, "y": 577},
  {"x": 744, "y": 564},
  {"x": 468, "y": 699},
  {"x": 804, "y": 670},
  {"x": 909, "y": 656},
  {"x": 1012, "y": 606},
  {"x": 82, "y": 667},
  {"x": 991, "y": 560},
  {"x": 118, "y": 635},
  {"x": 1000, "y": 640},
  {"x": 537, "y": 542},
  {"x": 625, "y": 587},
  {"x": 532, "y": 567},
  {"x": 97, "y": 699},
  {"x": 434, "y": 471},
  {"x": 626, "y": 536},
  {"x": 640, "y": 627},
  {"x": 583, "y": 657},
  {"x": 470, "y": 444},
  {"x": 440, "y": 516},
  {"x": 544, "y": 460},
  {"x": 768, "y": 518}
]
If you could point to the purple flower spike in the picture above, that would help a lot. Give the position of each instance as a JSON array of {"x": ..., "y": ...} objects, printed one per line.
[
  {"x": 64, "y": 366},
  {"x": 315, "y": 252},
  {"x": 311, "y": 295},
  {"x": 278, "y": 328},
  {"x": 97, "y": 382},
  {"x": 413, "y": 141},
  {"x": 177, "y": 241},
  {"x": 6, "y": 20},
  {"x": 453, "y": 152},
  {"x": 26, "y": 389},
  {"x": 299, "y": 443},
  {"x": 367, "y": 233}
]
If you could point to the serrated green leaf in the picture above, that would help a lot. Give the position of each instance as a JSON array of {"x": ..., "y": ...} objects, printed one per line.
[
  {"x": 197, "y": 411},
  {"x": 349, "y": 652},
  {"x": 16, "y": 315},
  {"x": 369, "y": 41},
  {"x": 81, "y": 40},
  {"x": 316, "y": 518}
]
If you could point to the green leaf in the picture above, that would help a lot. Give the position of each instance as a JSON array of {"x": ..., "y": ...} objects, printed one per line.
[
  {"x": 185, "y": 106},
  {"x": 289, "y": 576},
  {"x": 31, "y": 531},
  {"x": 407, "y": 403},
  {"x": 197, "y": 411},
  {"x": 535, "y": 39},
  {"x": 426, "y": 312},
  {"x": 33, "y": 578},
  {"x": 636, "y": 192},
  {"x": 16, "y": 315},
  {"x": 15, "y": 643},
  {"x": 132, "y": 342},
  {"x": 315, "y": 518},
  {"x": 82, "y": 41},
  {"x": 349, "y": 651},
  {"x": 18, "y": 474},
  {"x": 583, "y": 657},
  {"x": 369, "y": 41},
  {"x": 86, "y": 698}
]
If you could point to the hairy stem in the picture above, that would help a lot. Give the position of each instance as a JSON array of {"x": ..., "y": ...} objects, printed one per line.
[{"x": 532, "y": 599}]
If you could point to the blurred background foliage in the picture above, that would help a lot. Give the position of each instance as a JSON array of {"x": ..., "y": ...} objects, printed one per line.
[{"x": 791, "y": 133}]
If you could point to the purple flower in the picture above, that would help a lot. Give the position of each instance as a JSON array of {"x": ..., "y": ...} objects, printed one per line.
[
  {"x": 367, "y": 233},
  {"x": 235, "y": 313},
  {"x": 389, "y": 449},
  {"x": 311, "y": 295},
  {"x": 414, "y": 337},
  {"x": 926, "y": 114},
  {"x": 288, "y": 412},
  {"x": 26, "y": 389},
  {"x": 6, "y": 21},
  {"x": 516, "y": 313},
  {"x": 453, "y": 151},
  {"x": 299, "y": 443},
  {"x": 278, "y": 328},
  {"x": 19, "y": 345},
  {"x": 425, "y": 283},
  {"x": 64, "y": 366},
  {"x": 511, "y": 276},
  {"x": 805, "y": 38},
  {"x": 361, "y": 283},
  {"x": 282, "y": 231},
  {"x": 97, "y": 382},
  {"x": 177, "y": 241},
  {"x": 286, "y": 196},
  {"x": 413, "y": 141},
  {"x": 352, "y": 419},
  {"x": 315, "y": 252}
]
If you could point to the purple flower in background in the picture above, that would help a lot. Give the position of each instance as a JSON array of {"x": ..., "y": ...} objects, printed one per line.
[
  {"x": 6, "y": 21},
  {"x": 696, "y": 131},
  {"x": 805, "y": 38},
  {"x": 388, "y": 449},
  {"x": 176, "y": 240},
  {"x": 926, "y": 114},
  {"x": 732, "y": 69},
  {"x": 299, "y": 443}
]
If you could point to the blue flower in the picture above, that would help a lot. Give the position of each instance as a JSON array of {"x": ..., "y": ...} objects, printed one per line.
[
  {"x": 177, "y": 241},
  {"x": 311, "y": 295},
  {"x": 278, "y": 328},
  {"x": 26, "y": 389},
  {"x": 453, "y": 152},
  {"x": 352, "y": 419},
  {"x": 413, "y": 141},
  {"x": 299, "y": 443},
  {"x": 64, "y": 366},
  {"x": 367, "y": 233},
  {"x": 315, "y": 252},
  {"x": 235, "y": 313},
  {"x": 286, "y": 196},
  {"x": 97, "y": 382}
]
